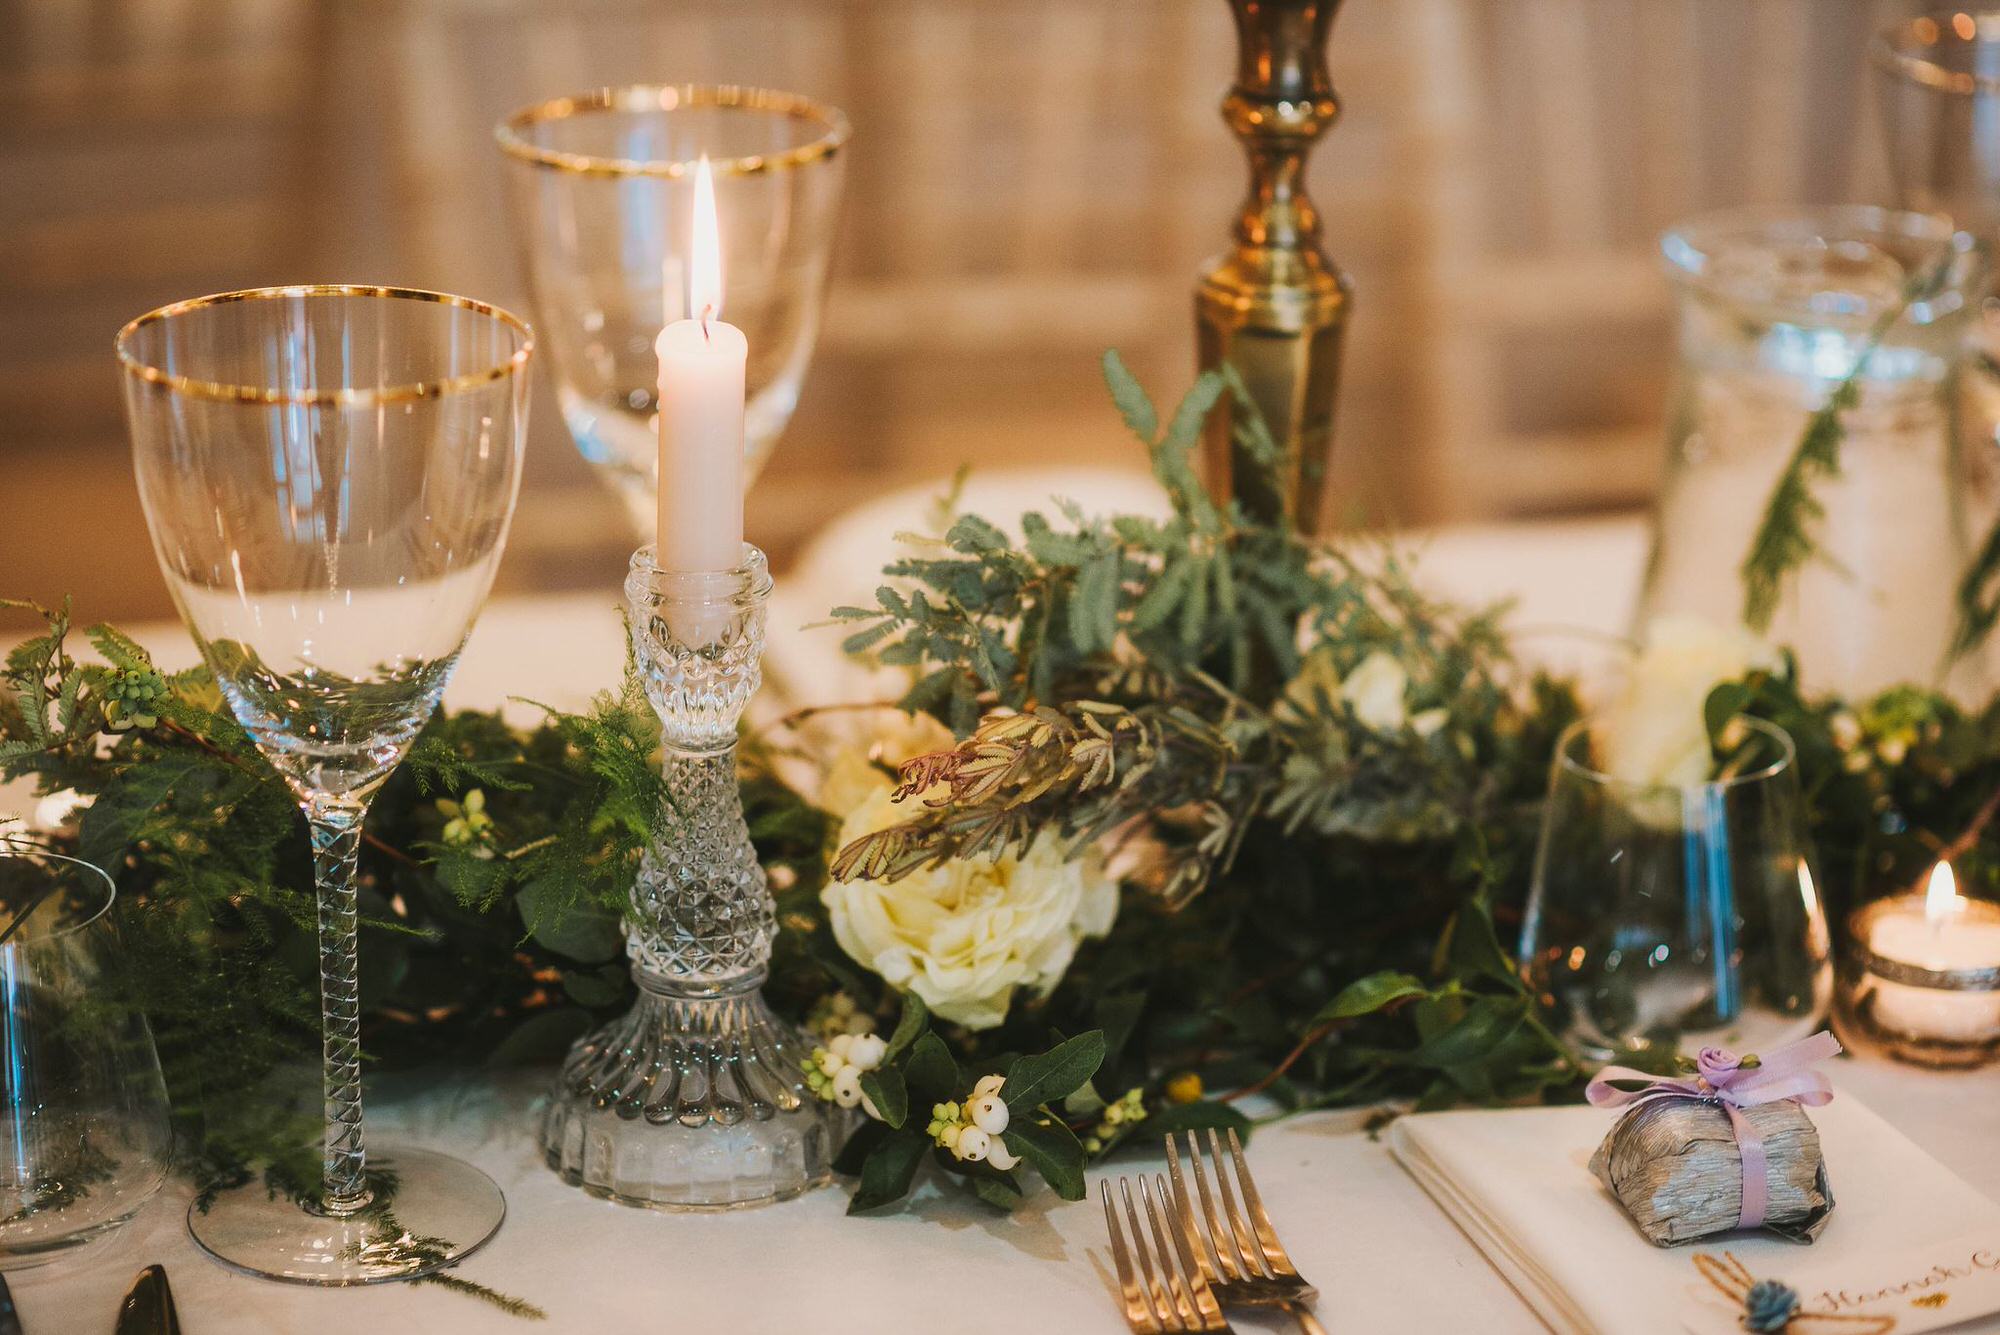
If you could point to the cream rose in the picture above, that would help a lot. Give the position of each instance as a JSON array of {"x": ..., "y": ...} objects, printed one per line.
[
  {"x": 967, "y": 935},
  {"x": 1656, "y": 733},
  {"x": 1377, "y": 691}
]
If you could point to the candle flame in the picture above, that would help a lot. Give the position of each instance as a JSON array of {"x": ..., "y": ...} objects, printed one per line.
[
  {"x": 705, "y": 267},
  {"x": 1942, "y": 899}
]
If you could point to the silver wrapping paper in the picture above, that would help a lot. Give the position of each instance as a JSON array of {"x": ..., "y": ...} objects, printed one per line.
[{"x": 1675, "y": 1167}]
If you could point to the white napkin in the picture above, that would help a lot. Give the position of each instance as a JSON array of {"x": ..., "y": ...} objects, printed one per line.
[{"x": 1518, "y": 1182}]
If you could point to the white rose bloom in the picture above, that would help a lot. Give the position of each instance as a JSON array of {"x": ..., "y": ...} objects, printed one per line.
[
  {"x": 966, "y": 935},
  {"x": 1656, "y": 734},
  {"x": 1374, "y": 691}
]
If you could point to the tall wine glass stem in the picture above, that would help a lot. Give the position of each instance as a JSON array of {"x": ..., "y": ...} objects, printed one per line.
[{"x": 336, "y": 841}]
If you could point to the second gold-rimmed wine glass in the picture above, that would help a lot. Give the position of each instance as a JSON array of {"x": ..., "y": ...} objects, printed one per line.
[
  {"x": 328, "y": 474},
  {"x": 602, "y": 185}
]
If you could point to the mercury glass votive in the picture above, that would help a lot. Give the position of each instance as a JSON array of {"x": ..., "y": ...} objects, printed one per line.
[
  {"x": 696, "y": 1098},
  {"x": 1920, "y": 980}
]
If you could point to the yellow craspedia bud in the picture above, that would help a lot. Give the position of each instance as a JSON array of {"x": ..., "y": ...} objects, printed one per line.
[{"x": 1184, "y": 1088}]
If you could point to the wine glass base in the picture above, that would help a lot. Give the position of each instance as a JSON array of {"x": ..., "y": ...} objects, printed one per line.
[{"x": 440, "y": 1211}]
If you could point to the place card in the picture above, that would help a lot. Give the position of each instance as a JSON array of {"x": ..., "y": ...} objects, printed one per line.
[{"x": 1913, "y": 1288}]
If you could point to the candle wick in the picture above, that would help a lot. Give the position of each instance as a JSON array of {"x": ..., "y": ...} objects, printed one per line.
[{"x": 706, "y": 311}]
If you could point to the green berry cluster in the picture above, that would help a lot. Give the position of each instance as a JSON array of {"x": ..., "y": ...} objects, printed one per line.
[
  {"x": 1117, "y": 1117},
  {"x": 132, "y": 698}
]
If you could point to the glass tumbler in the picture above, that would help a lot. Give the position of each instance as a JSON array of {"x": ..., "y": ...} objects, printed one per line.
[
  {"x": 1662, "y": 916},
  {"x": 602, "y": 186},
  {"x": 84, "y": 1140},
  {"x": 1776, "y": 309}
]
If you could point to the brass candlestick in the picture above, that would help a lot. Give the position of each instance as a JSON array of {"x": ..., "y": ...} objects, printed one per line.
[{"x": 1275, "y": 307}]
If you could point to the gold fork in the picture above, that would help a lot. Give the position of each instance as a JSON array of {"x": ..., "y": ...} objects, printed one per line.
[
  {"x": 1180, "y": 1299},
  {"x": 1237, "y": 1250}
]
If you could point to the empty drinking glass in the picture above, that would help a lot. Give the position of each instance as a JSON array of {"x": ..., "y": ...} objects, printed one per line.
[
  {"x": 1662, "y": 916},
  {"x": 83, "y": 1111},
  {"x": 328, "y": 474},
  {"x": 602, "y": 186}
]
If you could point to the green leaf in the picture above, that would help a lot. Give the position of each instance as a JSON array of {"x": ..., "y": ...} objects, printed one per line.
[
  {"x": 915, "y": 1020},
  {"x": 1000, "y": 1192},
  {"x": 1473, "y": 949},
  {"x": 931, "y": 1073},
  {"x": 1052, "y": 1149},
  {"x": 1134, "y": 405},
  {"x": 1488, "y": 1023},
  {"x": 1117, "y": 1015},
  {"x": 120, "y": 650},
  {"x": 1184, "y": 429},
  {"x": 1047, "y": 1077},
  {"x": 111, "y": 823},
  {"x": 1365, "y": 996},
  {"x": 854, "y": 1154},
  {"x": 1093, "y": 606},
  {"x": 890, "y": 1168},
  {"x": 972, "y": 535},
  {"x": 1725, "y": 702},
  {"x": 884, "y": 1088},
  {"x": 581, "y": 932}
]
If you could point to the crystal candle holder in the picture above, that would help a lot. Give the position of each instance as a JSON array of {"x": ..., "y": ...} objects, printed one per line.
[
  {"x": 1941, "y": 1017},
  {"x": 695, "y": 1099}
]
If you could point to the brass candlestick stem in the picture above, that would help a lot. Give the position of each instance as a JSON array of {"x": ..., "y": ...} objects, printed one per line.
[{"x": 1275, "y": 307}]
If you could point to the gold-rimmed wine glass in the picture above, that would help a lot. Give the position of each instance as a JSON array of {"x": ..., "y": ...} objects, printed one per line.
[
  {"x": 602, "y": 185},
  {"x": 328, "y": 474}
]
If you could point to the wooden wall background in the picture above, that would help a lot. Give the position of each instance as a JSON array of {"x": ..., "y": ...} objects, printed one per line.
[{"x": 1032, "y": 181}]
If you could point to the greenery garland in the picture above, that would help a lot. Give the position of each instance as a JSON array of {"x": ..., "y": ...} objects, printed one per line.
[{"x": 1316, "y": 878}]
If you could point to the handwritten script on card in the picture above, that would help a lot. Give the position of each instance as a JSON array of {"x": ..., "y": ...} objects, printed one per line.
[{"x": 1915, "y": 1290}]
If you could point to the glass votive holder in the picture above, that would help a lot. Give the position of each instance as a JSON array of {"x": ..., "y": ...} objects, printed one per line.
[{"x": 1921, "y": 986}]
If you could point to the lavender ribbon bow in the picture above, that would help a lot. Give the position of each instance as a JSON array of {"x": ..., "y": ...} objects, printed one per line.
[{"x": 1721, "y": 1078}]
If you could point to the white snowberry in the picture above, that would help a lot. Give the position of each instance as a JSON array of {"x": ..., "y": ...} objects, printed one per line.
[
  {"x": 988, "y": 1112},
  {"x": 842, "y": 1046},
  {"x": 998, "y": 1155},
  {"x": 988, "y": 1084},
  {"x": 847, "y": 1087},
  {"x": 866, "y": 1051},
  {"x": 973, "y": 1144}
]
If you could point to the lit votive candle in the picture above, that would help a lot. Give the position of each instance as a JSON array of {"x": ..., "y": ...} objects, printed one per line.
[{"x": 1927, "y": 978}]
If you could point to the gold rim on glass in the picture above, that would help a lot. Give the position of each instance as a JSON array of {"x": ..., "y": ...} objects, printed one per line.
[
  {"x": 1903, "y": 50},
  {"x": 670, "y": 97},
  {"x": 421, "y": 389}
]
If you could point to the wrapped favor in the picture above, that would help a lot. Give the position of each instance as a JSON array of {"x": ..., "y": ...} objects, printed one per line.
[
  {"x": 1676, "y": 1168},
  {"x": 1727, "y": 1148}
]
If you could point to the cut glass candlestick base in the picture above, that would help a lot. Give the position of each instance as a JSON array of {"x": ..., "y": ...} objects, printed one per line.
[
  {"x": 691, "y": 1104},
  {"x": 696, "y": 1098}
]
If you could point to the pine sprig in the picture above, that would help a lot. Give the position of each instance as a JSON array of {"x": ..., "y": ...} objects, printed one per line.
[{"x": 1786, "y": 538}]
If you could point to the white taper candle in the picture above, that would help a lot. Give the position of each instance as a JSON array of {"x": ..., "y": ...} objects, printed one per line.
[{"x": 701, "y": 413}]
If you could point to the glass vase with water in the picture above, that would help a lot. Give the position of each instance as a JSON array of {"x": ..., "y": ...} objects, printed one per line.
[{"x": 1777, "y": 311}]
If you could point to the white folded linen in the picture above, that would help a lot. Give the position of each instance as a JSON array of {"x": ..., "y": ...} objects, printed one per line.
[{"x": 1517, "y": 1182}]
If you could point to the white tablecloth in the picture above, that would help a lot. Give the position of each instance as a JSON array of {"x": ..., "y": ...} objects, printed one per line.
[{"x": 1386, "y": 1259}]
